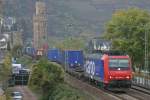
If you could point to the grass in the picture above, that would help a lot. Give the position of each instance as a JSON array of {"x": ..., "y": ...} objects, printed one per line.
[
  {"x": 66, "y": 92},
  {"x": 8, "y": 93}
]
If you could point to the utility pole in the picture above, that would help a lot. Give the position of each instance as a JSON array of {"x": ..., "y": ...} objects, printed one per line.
[
  {"x": 1, "y": 6},
  {"x": 146, "y": 63}
]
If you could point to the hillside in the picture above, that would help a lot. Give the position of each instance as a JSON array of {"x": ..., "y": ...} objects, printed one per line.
[{"x": 70, "y": 17}]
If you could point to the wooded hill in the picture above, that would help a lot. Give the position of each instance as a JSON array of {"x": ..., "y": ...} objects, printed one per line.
[{"x": 70, "y": 17}]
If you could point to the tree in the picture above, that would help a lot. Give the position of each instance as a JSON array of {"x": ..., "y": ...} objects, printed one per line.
[
  {"x": 17, "y": 51},
  {"x": 6, "y": 68},
  {"x": 46, "y": 76},
  {"x": 8, "y": 46},
  {"x": 71, "y": 43},
  {"x": 127, "y": 30}
]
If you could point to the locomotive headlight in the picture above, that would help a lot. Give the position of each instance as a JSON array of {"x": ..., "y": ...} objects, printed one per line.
[
  {"x": 110, "y": 77},
  {"x": 127, "y": 77}
]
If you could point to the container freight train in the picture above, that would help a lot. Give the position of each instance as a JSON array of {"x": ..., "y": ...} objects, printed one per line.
[
  {"x": 108, "y": 70},
  {"x": 71, "y": 59}
]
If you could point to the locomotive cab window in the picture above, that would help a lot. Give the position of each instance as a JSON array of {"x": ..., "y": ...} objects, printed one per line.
[{"x": 119, "y": 63}]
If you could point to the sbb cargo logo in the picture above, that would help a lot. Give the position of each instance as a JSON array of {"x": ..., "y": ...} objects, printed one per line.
[{"x": 90, "y": 68}]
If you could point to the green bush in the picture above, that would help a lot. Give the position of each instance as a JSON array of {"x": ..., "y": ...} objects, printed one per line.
[
  {"x": 65, "y": 92},
  {"x": 45, "y": 76},
  {"x": 47, "y": 79},
  {"x": 5, "y": 68},
  {"x": 25, "y": 60}
]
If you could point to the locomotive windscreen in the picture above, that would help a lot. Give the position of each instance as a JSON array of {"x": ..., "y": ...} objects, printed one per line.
[{"x": 119, "y": 64}]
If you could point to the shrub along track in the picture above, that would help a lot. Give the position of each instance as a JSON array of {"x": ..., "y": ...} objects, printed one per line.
[{"x": 101, "y": 94}]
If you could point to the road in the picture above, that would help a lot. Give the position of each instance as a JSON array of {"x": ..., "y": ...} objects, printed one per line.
[
  {"x": 27, "y": 93},
  {"x": 2, "y": 55}
]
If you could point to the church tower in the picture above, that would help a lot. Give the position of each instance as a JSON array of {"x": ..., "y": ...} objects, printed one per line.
[{"x": 40, "y": 25}]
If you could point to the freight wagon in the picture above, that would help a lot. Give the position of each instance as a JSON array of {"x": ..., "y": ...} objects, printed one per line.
[
  {"x": 55, "y": 55},
  {"x": 74, "y": 60},
  {"x": 30, "y": 51},
  {"x": 70, "y": 59}
]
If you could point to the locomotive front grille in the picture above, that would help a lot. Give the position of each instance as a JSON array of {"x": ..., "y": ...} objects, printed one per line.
[{"x": 120, "y": 83}]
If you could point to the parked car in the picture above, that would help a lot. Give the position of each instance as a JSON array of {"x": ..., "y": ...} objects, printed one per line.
[{"x": 17, "y": 95}]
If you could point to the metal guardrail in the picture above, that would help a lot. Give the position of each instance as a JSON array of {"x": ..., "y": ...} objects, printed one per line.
[{"x": 141, "y": 81}]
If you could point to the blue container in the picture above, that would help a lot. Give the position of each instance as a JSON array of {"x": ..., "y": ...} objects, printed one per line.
[
  {"x": 94, "y": 67},
  {"x": 30, "y": 51},
  {"x": 55, "y": 55},
  {"x": 74, "y": 58},
  {"x": 27, "y": 49},
  {"x": 33, "y": 52}
]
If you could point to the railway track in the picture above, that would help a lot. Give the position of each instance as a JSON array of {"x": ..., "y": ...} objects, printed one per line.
[
  {"x": 102, "y": 94},
  {"x": 138, "y": 94},
  {"x": 123, "y": 96},
  {"x": 92, "y": 91},
  {"x": 131, "y": 94},
  {"x": 142, "y": 89}
]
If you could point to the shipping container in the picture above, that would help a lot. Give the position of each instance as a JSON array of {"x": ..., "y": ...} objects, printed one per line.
[
  {"x": 30, "y": 51},
  {"x": 55, "y": 55},
  {"x": 74, "y": 59}
]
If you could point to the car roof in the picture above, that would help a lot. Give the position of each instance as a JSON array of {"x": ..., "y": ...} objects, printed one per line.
[{"x": 16, "y": 92}]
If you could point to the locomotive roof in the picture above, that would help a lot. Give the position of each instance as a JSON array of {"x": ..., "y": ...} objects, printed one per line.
[
  {"x": 94, "y": 55},
  {"x": 99, "y": 55}
]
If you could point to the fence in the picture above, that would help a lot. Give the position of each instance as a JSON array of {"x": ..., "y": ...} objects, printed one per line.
[
  {"x": 141, "y": 81},
  {"x": 20, "y": 79}
]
